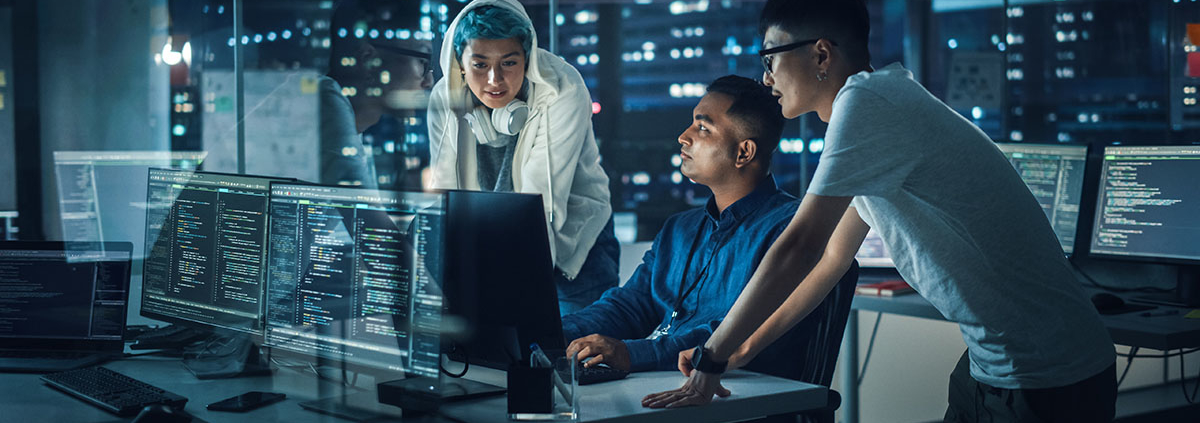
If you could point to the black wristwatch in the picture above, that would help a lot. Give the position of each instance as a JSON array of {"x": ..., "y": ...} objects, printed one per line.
[{"x": 702, "y": 361}]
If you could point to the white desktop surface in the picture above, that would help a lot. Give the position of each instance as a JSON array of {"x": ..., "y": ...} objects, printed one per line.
[{"x": 23, "y": 397}]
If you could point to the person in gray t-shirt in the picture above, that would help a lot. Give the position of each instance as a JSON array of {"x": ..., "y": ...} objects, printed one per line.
[{"x": 963, "y": 229}]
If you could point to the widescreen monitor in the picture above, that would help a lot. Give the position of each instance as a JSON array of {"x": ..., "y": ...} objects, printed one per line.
[
  {"x": 353, "y": 277},
  {"x": 1148, "y": 205},
  {"x": 206, "y": 236},
  {"x": 1054, "y": 174}
]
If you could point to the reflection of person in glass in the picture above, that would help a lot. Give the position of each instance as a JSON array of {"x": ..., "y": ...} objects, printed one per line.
[
  {"x": 508, "y": 116},
  {"x": 368, "y": 77}
]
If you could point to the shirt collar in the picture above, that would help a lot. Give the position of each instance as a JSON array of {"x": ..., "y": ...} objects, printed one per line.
[{"x": 746, "y": 205}]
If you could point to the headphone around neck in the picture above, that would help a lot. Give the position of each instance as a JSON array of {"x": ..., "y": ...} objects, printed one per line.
[{"x": 507, "y": 120}]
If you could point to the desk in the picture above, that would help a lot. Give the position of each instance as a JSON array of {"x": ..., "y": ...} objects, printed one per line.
[
  {"x": 24, "y": 398},
  {"x": 1159, "y": 333}
]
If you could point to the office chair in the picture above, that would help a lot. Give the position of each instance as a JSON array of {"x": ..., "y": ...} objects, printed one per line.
[{"x": 814, "y": 343}]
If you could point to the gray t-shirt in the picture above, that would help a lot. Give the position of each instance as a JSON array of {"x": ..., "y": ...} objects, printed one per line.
[{"x": 963, "y": 230}]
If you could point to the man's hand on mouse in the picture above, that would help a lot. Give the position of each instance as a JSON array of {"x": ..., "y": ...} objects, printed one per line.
[{"x": 600, "y": 349}]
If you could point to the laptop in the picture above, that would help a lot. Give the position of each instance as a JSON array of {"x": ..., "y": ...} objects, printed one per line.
[{"x": 62, "y": 304}]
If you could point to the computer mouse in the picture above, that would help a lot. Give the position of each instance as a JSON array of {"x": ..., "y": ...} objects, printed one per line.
[
  {"x": 160, "y": 413},
  {"x": 1105, "y": 302}
]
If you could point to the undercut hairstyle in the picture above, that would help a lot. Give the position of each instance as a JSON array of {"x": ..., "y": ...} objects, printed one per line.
[
  {"x": 492, "y": 23},
  {"x": 756, "y": 110},
  {"x": 845, "y": 22}
]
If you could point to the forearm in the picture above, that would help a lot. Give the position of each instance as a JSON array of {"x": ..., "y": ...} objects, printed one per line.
[
  {"x": 772, "y": 283},
  {"x": 789, "y": 260},
  {"x": 803, "y": 300}
]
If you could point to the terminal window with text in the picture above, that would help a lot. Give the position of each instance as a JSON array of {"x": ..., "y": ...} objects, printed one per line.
[
  {"x": 1148, "y": 206},
  {"x": 41, "y": 294},
  {"x": 207, "y": 236},
  {"x": 353, "y": 276}
]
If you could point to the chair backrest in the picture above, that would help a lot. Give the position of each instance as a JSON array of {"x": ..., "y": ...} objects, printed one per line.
[{"x": 810, "y": 349}]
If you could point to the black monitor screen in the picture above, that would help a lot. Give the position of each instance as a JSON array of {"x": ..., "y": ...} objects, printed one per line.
[
  {"x": 53, "y": 291},
  {"x": 206, "y": 234},
  {"x": 1054, "y": 174},
  {"x": 1148, "y": 205},
  {"x": 353, "y": 276}
]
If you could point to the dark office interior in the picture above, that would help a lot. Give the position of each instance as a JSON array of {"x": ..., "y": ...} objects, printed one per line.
[{"x": 172, "y": 152}]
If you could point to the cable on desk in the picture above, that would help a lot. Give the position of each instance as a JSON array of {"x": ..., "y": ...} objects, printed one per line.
[
  {"x": 466, "y": 365},
  {"x": 1145, "y": 289},
  {"x": 1128, "y": 364},
  {"x": 862, "y": 374}
]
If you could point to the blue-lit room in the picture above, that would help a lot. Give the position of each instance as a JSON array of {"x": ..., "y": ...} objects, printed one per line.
[{"x": 516, "y": 210}]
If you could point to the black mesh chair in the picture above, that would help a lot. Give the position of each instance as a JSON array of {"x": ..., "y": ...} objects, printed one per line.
[{"x": 813, "y": 344}]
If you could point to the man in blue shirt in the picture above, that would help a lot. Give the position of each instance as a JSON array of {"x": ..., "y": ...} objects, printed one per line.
[{"x": 686, "y": 282}]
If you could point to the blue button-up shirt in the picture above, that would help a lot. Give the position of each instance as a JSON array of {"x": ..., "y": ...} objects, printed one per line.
[{"x": 718, "y": 252}]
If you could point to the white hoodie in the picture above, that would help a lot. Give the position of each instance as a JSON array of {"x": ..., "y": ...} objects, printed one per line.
[{"x": 556, "y": 153}]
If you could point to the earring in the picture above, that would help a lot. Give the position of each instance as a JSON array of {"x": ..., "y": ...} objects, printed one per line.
[{"x": 822, "y": 76}]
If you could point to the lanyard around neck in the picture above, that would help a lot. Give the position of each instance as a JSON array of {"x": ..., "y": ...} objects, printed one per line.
[{"x": 684, "y": 293}]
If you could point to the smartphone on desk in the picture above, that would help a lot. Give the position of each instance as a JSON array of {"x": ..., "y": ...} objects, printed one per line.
[{"x": 247, "y": 401}]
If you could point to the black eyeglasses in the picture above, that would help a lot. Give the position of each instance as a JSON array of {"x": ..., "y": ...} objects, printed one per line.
[{"x": 767, "y": 55}]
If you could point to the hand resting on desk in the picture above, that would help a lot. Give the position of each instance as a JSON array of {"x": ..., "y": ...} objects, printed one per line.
[
  {"x": 697, "y": 390},
  {"x": 601, "y": 349}
]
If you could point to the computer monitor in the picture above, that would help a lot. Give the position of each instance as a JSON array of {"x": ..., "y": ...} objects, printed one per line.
[
  {"x": 1148, "y": 205},
  {"x": 1147, "y": 209},
  {"x": 206, "y": 235},
  {"x": 499, "y": 278},
  {"x": 60, "y": 296},
  {"x": 353, "y": 277},
  {"x": 1054, "y": 174}
]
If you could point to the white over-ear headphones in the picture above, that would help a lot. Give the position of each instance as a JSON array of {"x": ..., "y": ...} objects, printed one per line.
[{"x": 507, "y": 120}]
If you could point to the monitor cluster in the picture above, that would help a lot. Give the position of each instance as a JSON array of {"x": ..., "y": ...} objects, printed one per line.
[
  {"x": 1143, "y": 207},
  {"x": 336, "y": 273}
]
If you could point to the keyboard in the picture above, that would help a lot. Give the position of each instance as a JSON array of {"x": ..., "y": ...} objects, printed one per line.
[
  {"x": 601, "y": 373},
  {"x": 112, "y": 391}
]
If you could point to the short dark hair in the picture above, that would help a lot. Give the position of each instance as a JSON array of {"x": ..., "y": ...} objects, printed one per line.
[
  {"x": 756, "y": 109},
  {"x": 845, "y": 22}
]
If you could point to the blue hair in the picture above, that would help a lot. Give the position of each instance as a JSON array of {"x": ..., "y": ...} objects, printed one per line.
[{"x": 492, "y": 23}]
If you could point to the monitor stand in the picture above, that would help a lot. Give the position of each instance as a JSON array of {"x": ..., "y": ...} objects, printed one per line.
[
  {"x": 225, "y": 356},
  {"x": 1186, "y": 293},
  {"x": 412, "y": 396}
]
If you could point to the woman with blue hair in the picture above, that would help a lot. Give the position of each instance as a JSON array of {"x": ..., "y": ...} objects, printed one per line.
[{"x": 510, "y": 117}]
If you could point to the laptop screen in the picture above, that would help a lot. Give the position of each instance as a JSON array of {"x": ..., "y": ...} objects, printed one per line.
[{"x": 56, "y": 295}]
